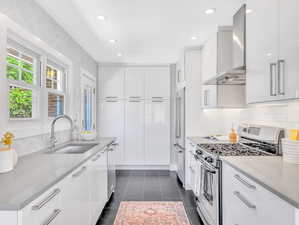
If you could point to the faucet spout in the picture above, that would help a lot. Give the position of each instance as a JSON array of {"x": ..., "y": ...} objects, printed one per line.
[{"x": 53, "y": 139}]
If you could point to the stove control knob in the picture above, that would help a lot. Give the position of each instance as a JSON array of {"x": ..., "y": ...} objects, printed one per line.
[
  {"x": 209, "y": 159},
  {"x": 199, "y": 152}
]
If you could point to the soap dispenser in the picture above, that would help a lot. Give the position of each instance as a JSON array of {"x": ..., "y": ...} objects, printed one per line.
[{"x": 233, "y": 137}]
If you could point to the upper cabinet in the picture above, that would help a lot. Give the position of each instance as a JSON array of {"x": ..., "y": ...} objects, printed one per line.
[
  {"x": 135, "y": 82},
  {"x": 158, "y": 83},
  {"x": 112, "y": 82},
  {"x": 272, "y": 50},
  {"x": 217, "y": 54}
]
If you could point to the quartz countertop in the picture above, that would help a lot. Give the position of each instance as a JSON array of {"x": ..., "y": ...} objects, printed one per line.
[
  {"x": 37, "y": 172},
  {"x": 270, "y": 172}
]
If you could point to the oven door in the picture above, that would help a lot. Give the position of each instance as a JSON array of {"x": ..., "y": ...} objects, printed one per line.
[{"x": 208, "y": 196}]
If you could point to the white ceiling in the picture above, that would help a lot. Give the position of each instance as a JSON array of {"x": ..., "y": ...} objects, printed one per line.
[{"x": 147, "y": 31}]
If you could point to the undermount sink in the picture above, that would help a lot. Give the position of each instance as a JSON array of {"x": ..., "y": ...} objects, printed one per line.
[{"x": 73, "y": 149}]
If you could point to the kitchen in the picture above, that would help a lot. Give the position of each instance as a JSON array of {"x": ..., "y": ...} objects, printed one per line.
[{"x": 149, "y": 112}]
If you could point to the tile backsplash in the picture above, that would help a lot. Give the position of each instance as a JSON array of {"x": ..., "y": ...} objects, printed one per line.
[
  {"x": 220, "y": 121},
  {"x": 25, "y": 146}
]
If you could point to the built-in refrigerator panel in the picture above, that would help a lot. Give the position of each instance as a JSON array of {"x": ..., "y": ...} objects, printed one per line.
[{"x": 180, "y": 133}]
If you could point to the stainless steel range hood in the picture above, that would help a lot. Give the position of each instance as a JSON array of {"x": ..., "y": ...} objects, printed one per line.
[{"x": 236, "y": 75}]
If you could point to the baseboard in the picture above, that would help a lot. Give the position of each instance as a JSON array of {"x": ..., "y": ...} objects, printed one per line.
[
  {"x": 173, "y": 167},
  {"x": 143, "y": 167}
]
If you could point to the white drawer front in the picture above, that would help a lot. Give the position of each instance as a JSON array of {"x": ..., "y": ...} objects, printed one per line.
[{"x": 246, "y": 203}]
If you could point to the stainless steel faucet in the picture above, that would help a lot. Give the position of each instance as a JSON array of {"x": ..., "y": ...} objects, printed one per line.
[{"x": 53, "y": 139}]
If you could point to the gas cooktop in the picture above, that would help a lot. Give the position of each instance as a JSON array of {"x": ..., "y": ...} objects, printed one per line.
[{"x": 231, "y": 150}]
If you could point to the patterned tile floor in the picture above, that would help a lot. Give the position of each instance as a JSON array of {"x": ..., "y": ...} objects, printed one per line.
[{"x": 148, "y": 186}]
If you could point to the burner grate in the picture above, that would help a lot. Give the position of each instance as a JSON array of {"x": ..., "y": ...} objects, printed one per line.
[{"x": 231, "y": 150}]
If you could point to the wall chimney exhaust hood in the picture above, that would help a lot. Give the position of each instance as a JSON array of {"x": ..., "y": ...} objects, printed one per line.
[{"x": 237, "y": 74}]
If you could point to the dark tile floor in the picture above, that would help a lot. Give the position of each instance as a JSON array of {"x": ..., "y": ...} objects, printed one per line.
[{"x": 148, "y": 186}]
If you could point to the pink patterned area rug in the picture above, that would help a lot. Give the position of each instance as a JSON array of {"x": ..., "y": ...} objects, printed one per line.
[{"x": 151, "y": 213}]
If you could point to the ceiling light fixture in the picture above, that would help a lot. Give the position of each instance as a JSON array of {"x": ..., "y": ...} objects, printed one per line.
[
  {"x": 119, "y": 54},
  {"x": 102, "y": 18},
  {"x": 210, "y": 11},
  {"x": 194, "y": 38},
  {"x": 113, "y": 41},
  {"x": 248, "y": 11}
]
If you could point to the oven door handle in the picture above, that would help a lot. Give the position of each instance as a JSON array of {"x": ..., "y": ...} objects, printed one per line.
[{"x": 211, "y": 168}]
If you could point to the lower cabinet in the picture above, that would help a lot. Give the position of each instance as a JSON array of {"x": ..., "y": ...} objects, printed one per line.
[
  {"x": 246, "y": 202},
  {"x": 78, "y": 199}
]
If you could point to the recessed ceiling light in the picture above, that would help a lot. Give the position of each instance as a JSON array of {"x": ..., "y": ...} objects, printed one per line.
[
  {"x": 210, "y": 11},
  {"x": 269, "y": 54},
  {"x": 102, "y": 18},
  {"x": 248, "y": 11},
  {"x": 119, "y": 54},
  {"x": 112, "y": 41},
  {"x": 194, "y": 38}
]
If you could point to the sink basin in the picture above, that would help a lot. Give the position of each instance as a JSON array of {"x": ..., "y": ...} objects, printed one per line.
[{"x": 73, "y": 149}]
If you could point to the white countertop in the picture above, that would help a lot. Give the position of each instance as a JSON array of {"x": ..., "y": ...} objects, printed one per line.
[{"x": 36, "y": 173}]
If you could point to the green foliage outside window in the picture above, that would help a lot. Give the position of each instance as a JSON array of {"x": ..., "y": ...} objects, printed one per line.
[
  {"x": 20, "y": 99},
  {"x": 20, "y": 102}
]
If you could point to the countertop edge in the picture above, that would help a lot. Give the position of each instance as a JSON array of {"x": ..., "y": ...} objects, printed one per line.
[
  {"x": 267, "y": 187},
  {"x": 12, "y": 207}
]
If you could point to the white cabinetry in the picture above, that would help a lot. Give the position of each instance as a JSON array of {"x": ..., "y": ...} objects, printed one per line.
[
  {"x": 112, "y": 82},
  {"x": 157, "y": 132},
  {"x": 124, "y": 112},
  {"x": 262, "y": 50},
  {"x": 97, "y": 179},
  {"x": 245, "y": 202},
  {"x": 192, "y": 172},
  {"x": 158, "y": 83},
  {"x": 223, "y": 96},
  {"x": 135, "y": 82},
  {"x": 111, "y": 123},
  {"x": 272, "y": 55},
  {"x": 134, "y": 132}
]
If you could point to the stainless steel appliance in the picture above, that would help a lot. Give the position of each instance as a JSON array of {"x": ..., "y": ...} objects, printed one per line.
[
  {"x": 253, "y": 141},
  {"x": 180, "y": 134},
  {"x": 111, "y": 168}
]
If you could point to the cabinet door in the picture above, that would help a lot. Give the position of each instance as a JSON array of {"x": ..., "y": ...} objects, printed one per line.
[
  {"x": 98, "y": 185},
  {"x": 262, "y": 50},
  {"x": 209, "y": 96},
  {"x": 111, "y": 123},
  {"x": 134, "y": 132},
  {"x": 288, "y": 85},
  {"x": 157, "y": 132},
  {"x": 135, "y": 82},
  {"x": 158, "y": 83},
  {"x": 209, "y": 59},
  {"x": 78, "y": 197},
  {"x": 112, "y": 82}
]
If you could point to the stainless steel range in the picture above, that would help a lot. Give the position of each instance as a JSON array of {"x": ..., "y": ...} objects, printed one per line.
[{"x": 253, "y": 141}]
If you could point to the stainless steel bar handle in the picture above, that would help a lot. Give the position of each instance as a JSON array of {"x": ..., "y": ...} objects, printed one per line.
[
  {"x": 273, "y": 87},
  {"x": 52, "y": 217},
  {"x": 96, "y": 158},
  {"x": 244, "y": 200},
  {"x": 134, "y": 101},
  {"x": 281, "y": 76},
  {"x": 134, "y": 97},
  {"x": 109, "y": 97},
  {"x": 111, "y": 101},
  {"x": 178, "y": 117},
  {"x": 114, "y": 144},
  {"x": 46, "y": 200},
  {"x": 157, "y": 97},
  {"x": 80, "y": 172},
  {"x": 110, "y": 149},
  {"x": 206, "y": 97},
  {"x": 250, "y": 186}
]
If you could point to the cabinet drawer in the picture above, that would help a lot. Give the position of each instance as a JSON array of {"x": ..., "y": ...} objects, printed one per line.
[
  {"x": 246, "y": 202},
  {"x": 46, "y": 209}
]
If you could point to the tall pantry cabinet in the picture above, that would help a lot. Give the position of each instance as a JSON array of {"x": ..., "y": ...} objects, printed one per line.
[{"x": 134, "y": 107}]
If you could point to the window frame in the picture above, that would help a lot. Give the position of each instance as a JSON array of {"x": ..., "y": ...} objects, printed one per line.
[
  {"x": 34, "y": 87},
  {"x": 63, "y": 92}
]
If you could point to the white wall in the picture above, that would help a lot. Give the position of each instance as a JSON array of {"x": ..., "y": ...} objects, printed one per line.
[{"x": 32, "y": 18}]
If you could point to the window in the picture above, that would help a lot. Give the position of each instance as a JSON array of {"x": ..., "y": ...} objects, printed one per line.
[
  {"x": 20, "y": 102},
  {"x": 55, "y": 84},
  {"x": 88, "y": 87},
  {"x": 21, "y": 71}
]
